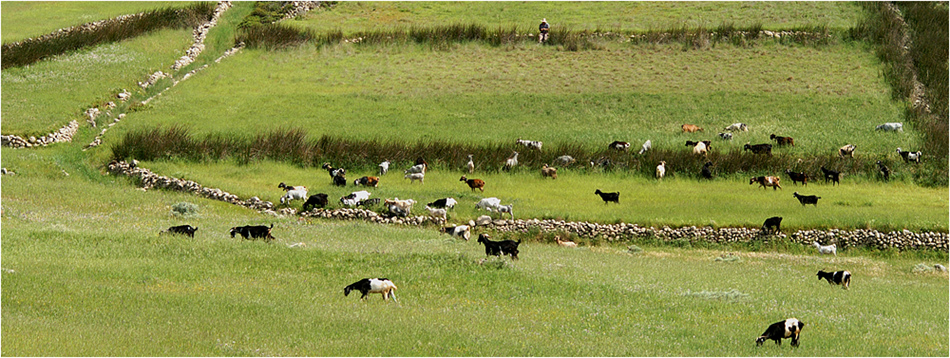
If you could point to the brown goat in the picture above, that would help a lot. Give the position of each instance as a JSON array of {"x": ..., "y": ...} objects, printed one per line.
[
  {"x": 474, "y": 183},
  {"x": 766, "y": 182},
  {"x": 691, "y": 128}
]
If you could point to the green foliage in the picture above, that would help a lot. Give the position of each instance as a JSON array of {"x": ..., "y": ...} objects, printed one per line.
[
  {"x": 184, "y": 209},
  {"x": 24, "y": 19}
]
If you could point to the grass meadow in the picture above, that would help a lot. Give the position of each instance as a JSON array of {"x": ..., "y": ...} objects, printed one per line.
[{"x": 24, "y": 19}]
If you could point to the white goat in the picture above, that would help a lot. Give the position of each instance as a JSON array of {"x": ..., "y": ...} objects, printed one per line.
[
  {"x": 565, "y": 243},
  {"x": 826, "y": 250},
  {"x": 383, "y": 167},
  {"x": 661, "y": 170},
  {"x": 471, "y": 164},
  {"x": 416, "y": 176},
  {"x": 294, "y": 194},
  {"x": 418, "y": 168},
  {"x": 511, "y": 162},
  {"x": 488, "y": 204},
  {"x": 437, "y": 213},
  {"x": 737, "y": 127},
  {"x": 646, "y": 146},
  {"x": 506, "y": 209},
  {"x": 405, "y": 205},
  {"x": 355, "y": 197}
]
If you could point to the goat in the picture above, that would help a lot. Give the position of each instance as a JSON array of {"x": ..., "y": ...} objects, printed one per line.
[
  {"x": 602, "y": 162},
  {"x": 499, "y": 248},
  {"x": 699, "y": 148},
  {"x": 294, "y": 194},
  {"x": 289, "y": 188},
  {"x": 565, "y": 243},
  {"x": 807, "y": 199},
  {"x": 547, "y": 171},
  {"x": 339, "y": 180},
  {"x": 661, "y": 170},
  {"x": 772, "y": 222},
  {"x": 890, "y": 127},
  {"x": 847, "y": 151},
  {"x": 462, "y": 231},
  {"x": 354, "y": 198},
  {"x": 373, "y": 285},
  {"x": 445, "y": 203},
  {"x": 797, "y": 177},
  {"x": 789, "y": 328},
  {"x": 618, "y": 145},
  {"x": 416, "y": 169},
  {"x": 725, "y": 136},
  {"x": 759, "y": 148},
  {"x": 334, "y": 172},
  {"x": 416, "y": 176},
  {"x": 474, "y": 183},
  {"x": 737, "y": 127},
  {"x": 181, "y": 230},
  {"x": 909, "y": 156},
  {"x": 832, "y": 175},
  {"x": 565, "y": 160},
  {"x": 506, "y": 209},
  {"x": 766, "y": 181},
  {"x": 646, "y": 147},
  {"x": 368, "y": 202},
  {"x": 421, "y": 160},
  {"x": 690, "y": 128},
  {"x": 842, "y": 278},
  {"x": 885, "y": 171},
  {"x": 437, "y": 213},
  {"x": 253, "y": 232},
  {"x": 367, "y": 181},
  {"x": 706, "y": 173},
  {"x": 530, "y": 143},
  {"x": 782, "y": 141},
  {"x": 608, "y": 197},
  {"x": 470, "y": 164},
  {"x": 384, "y": 167},
  {"x": 511, "y": 162},
  {"x": 405, "y": 205},
  {"x": 318, "y": 200},
  {"x": 826, "y": 249},
  {"x": 488, "y": 204}
]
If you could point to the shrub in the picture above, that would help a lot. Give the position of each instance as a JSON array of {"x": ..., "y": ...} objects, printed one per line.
[{"x": 184, "y": 209}]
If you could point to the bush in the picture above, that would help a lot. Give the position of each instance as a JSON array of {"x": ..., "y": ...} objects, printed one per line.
[{"x": 184, "y": 209}]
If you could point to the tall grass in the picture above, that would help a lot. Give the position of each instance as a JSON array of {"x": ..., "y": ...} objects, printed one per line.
[{"x": 33, "y": 50}]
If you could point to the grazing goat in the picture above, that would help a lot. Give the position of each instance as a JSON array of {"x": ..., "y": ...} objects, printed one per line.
[
  {"x": 437, "y": 213},
  {"x": 699, "y": 148},
  {"x": 909, "y": 156},
  {"x": 759, "y": 148},
  {"x": 608, "y": 197},
  {"x": 444, "y": 203},
  {"x": 797, "y": 177},
  {"x": 832, "y": 175},
  {"x": 725, "y": 136},
  {"x": 334, "y": 172},
  {"x": 373, "y": 285},
  {"x": 499, "y": 248},
  {"x": 842, "y": 278},
  {"x": 737, "y": 127},
  {"x": 847, "y": 151},
  {"x": 565, "y": 160},
  {"x": 690, "y": 128},
  {"x": 318, "y": 200},
  {"x": 384, "y": 167},
  {"x": 706, "y": 173},
  {"x": 511, "y": 162},
  {"x": 289, "y": 188},
  {"x": 661, "y": 170},
  {"x": 885, "y": 171},
  {"x": 774, "y": 222},
  {"x": 783, "y": 141},
  {"x": 474, "y": 183},
  {"x": 416, "y": 176},
  {"x": 416, "y": 169},
  {"x": 547, "y": 171},
  {"x": 181, "y": 230},
  {"x": 355, "y": 197},
  {"x": 530, "y": 143},
  {"x": 807, "y": 199},
  {"x": 766, "y": 181},
  {"x": 826, "y": 249},
  {"x": 565, "y": 243},
  {"x": 789, "y": 328},
  {"x": 506, "y": 209},
  {"x": 602, "y": 162},
  {"x": 367, "y": 181},
  {"x": 294, "y": 194},
  {"x": 488, "y": 204},
  {"x": 368, "y": 202},
  {"x": 405, "y": 205},
  {"x": 253, "y": 232},
  {"x": 462, "y": 231},
  {"x": 646, "y": 146},
  {"x": 618, "y": 145},
  {"x": 470, "y": 164},
  {"x": 890, "y": 127}
]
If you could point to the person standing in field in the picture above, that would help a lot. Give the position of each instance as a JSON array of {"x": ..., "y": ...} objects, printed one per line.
[{"x": 543, "y": 29}]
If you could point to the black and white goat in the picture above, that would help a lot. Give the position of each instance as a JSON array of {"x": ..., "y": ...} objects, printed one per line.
[
  {"x": 181, "y": 230},
  {"x": 806, "y": 199},
  {"x": 618, "y": 145},
  {"x": 444, "y": 203},
  {"x": 366, "y": 286},
  {"x": 499, "y": 248},
  {"x": 462, "y": 231},
  {"x": 253, "y": 232},
  {"x": 885, "y": 171},
  {"x": 531, "y": 144},
  {"x": 842, "y": 278},
  {"x": 909, "y": 156},
  {"x": 789, "y": 328},
  {"x": 384, "y": 167},
  {"x": 297, "y": 193}
]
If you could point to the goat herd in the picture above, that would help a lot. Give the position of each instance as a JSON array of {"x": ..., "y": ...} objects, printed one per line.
[{"x": 789, "y": 328}]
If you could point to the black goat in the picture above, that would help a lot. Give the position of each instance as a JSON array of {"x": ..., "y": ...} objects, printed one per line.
[
  {"x": 807, "y": 199},
  {"x": 797, "y": 177},
  {"x": 253, "y": 232},
  {"x": 706, "y": 172},
  {"x": 832, "y": 175},
  {"x": 181, "y": 230},
  {"x": 772, "y": 222},
  {"x": 759, "y": 148},
  {"x": 608, "y": 197},
  {"x": 789, "y": 328},
  {"x": 499, "y": 248},
  {"x": 317, "y": 200},
  {"x": 885, "y": 171},
  {"x": 842, "y": 278}
]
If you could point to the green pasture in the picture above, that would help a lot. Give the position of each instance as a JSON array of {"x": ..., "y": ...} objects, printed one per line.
[
  {"x": 23, "y": 19},
  {"x": 362, "y": 16}
]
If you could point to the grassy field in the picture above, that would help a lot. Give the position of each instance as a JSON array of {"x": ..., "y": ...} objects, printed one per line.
[{"x": 23, "y": 19}]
